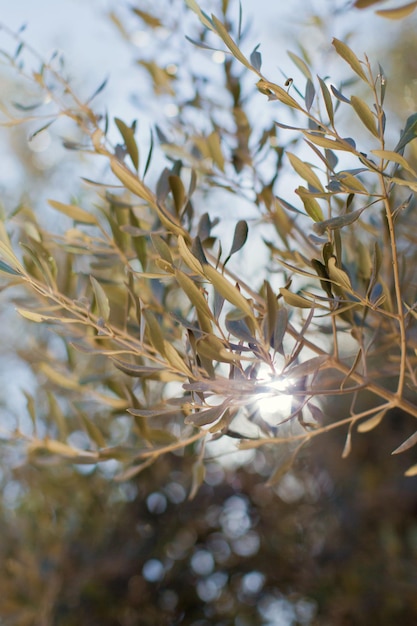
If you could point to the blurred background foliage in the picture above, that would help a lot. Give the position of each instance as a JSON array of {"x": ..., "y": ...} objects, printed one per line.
[{"x": 333, "y": 542}]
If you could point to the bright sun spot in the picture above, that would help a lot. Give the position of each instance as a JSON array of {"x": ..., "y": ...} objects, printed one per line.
[{"x": 274, "y": 400}]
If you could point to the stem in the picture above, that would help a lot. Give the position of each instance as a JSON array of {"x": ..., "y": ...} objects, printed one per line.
[{"x": 397, "y": 288}]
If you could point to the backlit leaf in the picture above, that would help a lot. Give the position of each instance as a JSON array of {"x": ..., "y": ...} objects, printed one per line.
[
  {"x": 198, "y": 475},
  {"x": 194, "y": 294},
  {"x": 372, "y": 422},
  {"x": 128, "y": 134},
  {"x": 306, "y": 368},
  {"x": 228, "y": 291},
  {"x": 412, "y": 471},
  {"x": 398, "y": 13},
  {"x": 312, "y": 207},
  {"x": 61, "y": 449},
  {"x": 389, "y": 155},
  {"x": 295, "y": 300},
  {"x": 205, "y": 20},
  {"x": 364, "y": 4},
  {"x": 224, "y": 35},
  {"x": 178, "y": 192},
  {"x": 206, "y": 416},
  {"x": 325, "y": 142},
  {"x": 131, "y": 182},
  {"x": 337, "y": 275},
  {"x": 305, "y": 170},
  {"x": 154, "y": 331},
  {"x": 189, "y": 259},
  {"x": 301, "y": 64},
  {"x": 350, "y": 57},
  {"x": 74, "y": 212},
  {"x": 101, "y": 299},
  {"x": 348, "y": 446},
  {"x": 175, "y": 359},
  {"x": 407, "y": 444},
  {"x": 276, "y": 92},
  {"x": 215, "y": 149},
  {"x": 365, "y": 114},
  {"x": 137, "y": 371}
]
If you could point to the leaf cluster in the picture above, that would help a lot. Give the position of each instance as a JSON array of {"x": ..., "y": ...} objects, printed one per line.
[{"x": 163, "y": 329}]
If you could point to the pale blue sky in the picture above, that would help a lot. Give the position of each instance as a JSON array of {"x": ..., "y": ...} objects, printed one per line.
[{"x": 93, "y": 48}]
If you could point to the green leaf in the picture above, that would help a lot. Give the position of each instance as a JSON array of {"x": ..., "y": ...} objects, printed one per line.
[
  {"x": 150, "y": 20},
  {"x": 101, "y": 299},
  {"x": 350, "y": 57},
  {"x": 412, "y": 471},
  {"x": 178, "y": 192},
  {"x": 128, "y": 134},
  {"x": 407, "y": 444},
  {"x": 37, "y": 317},
  {"x": 206, "y": 416},
  {"x": 280, "y": 471},
  {"x": 154, "y": 332},
  {"x": 228, "y": 291},
  {"x": 310, "y": 94},
  {"x": 239, "y": 238},
  {"x": 365, "y": 114},
  {"x": 276, "y": 92},
  {"x": 334, "y": 223},
  {"x": 61, "y": 449},
  {"x": 194, "y": 294},
  {"x": 337, "y": 275},
  {"x": 10, "y": 258},
  {"x": 305, "y": 170},
  {"x": 364, "y": 4},
  {"x": 131, "y": 182},
  {"x": 198, "y": 475},
  {"x": 239, "y": 329},
  {"x": 332, "y": 144},
  {"x": 398, "y": 13},
  {"x": 92, "y": 430},
  {"x": 224, "y": 35},
  {"x": 215, "y": 149},
  {"x": 162, "y": 248},
  {"x": 312, "y": 207},
  {"x": 205, "y": 20},
  {"x": 409, "y": 133},
  {"x": 389, "y": 155},
  {"x": 189, "y": 259},
  {"x": 372, "y": 422},
  {"x": 301, "y": 64},
  {"x": 307, "y": 367},
  {"x": 351, "y": 183},
  {"x": 175, "y": 359},
  {"x": 136, "y": 371},
  {"x": 4, "y": 267},
  {"x": 293, "y": 299},
  {"x": 348, "y": 446},
  {"x": 327, "y": 100},
  {"x": 73, "y": 211},
  {"x": 211, "y": 347},
  {"x": 63, "y": 380}
]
